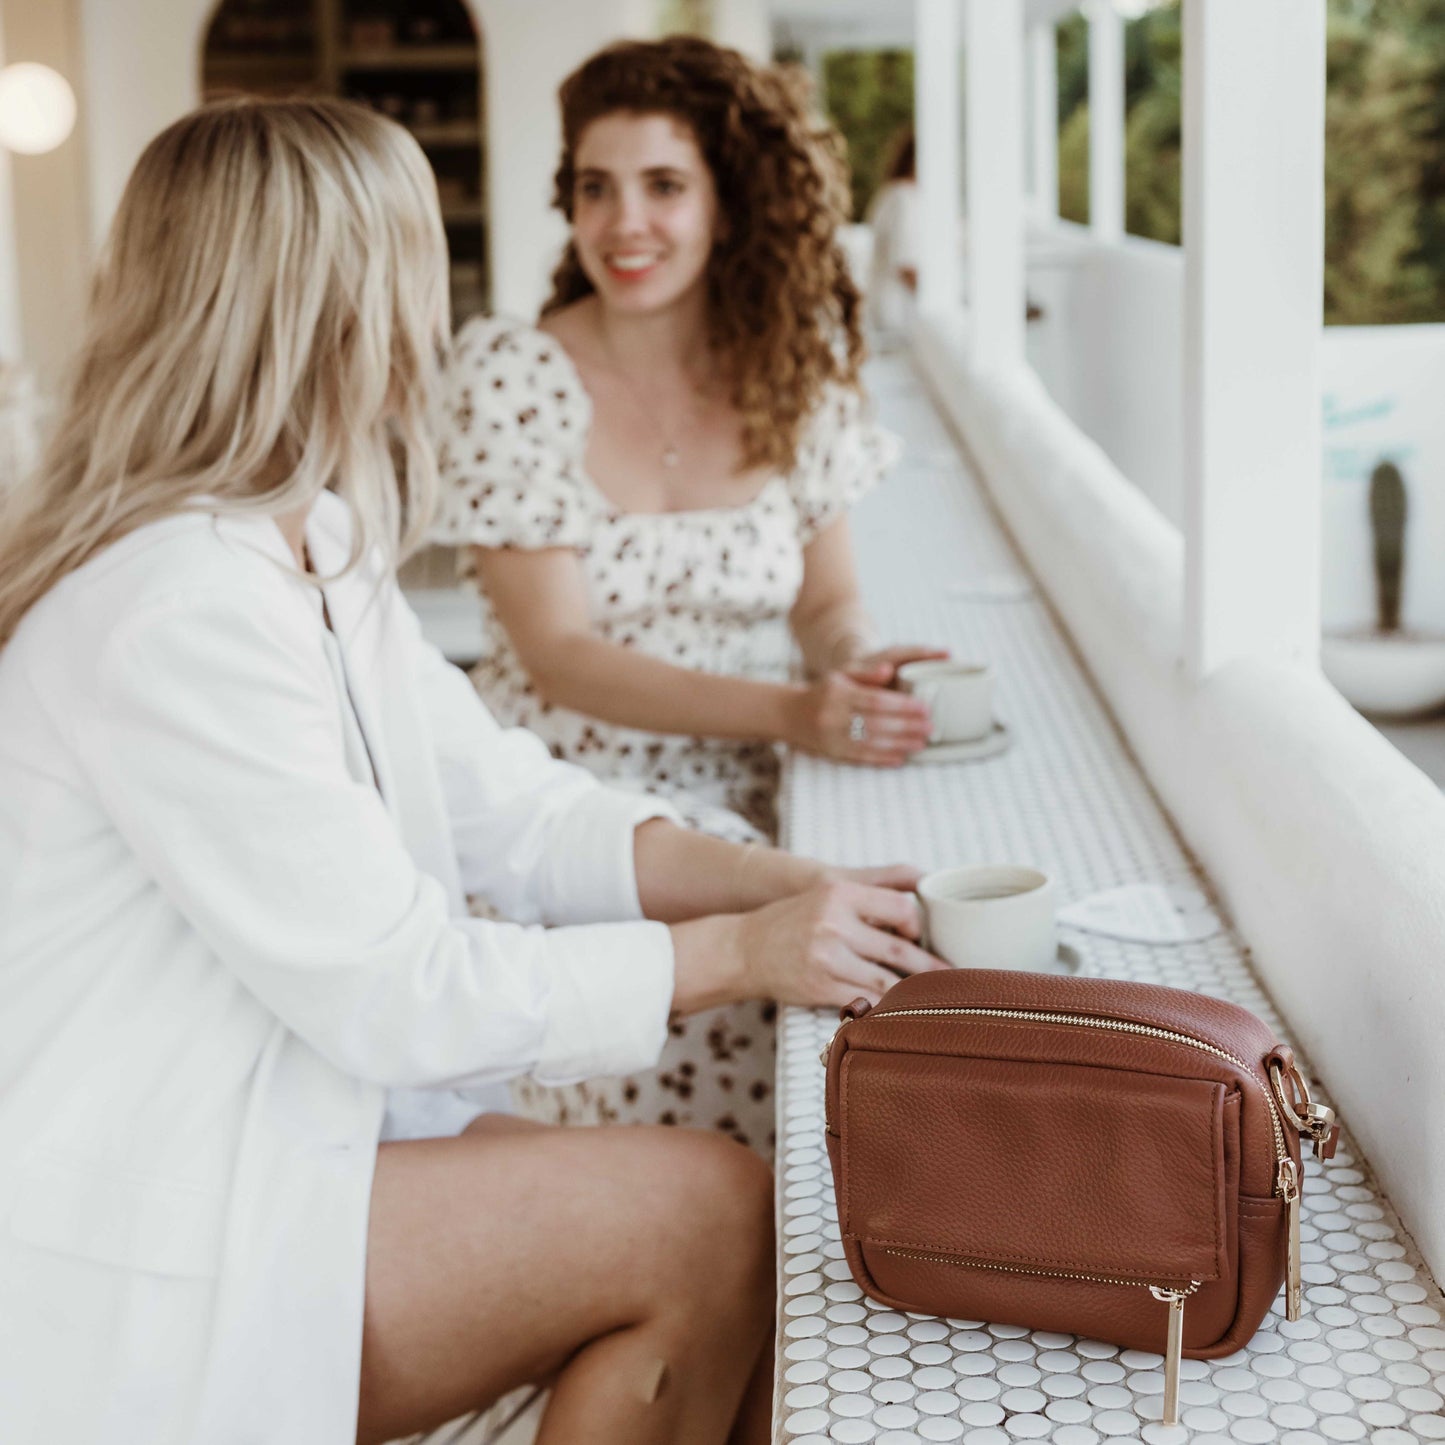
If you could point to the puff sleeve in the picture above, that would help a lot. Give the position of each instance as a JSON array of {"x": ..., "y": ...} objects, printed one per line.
[
  {"x": 843, "y": 455},
  {"x": 514, "y": 425}
]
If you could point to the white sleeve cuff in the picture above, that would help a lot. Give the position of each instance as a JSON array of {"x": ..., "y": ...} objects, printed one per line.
[
  {"x": 611, "y": 992},
  {"x": 590, "y": 868}
]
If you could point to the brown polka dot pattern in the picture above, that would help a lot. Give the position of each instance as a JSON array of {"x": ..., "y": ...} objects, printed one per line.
[{"x": 708, "y": 590}]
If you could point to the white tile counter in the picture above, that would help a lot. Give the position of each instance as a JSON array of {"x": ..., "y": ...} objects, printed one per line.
[{"x": 1367, "y": 1360}]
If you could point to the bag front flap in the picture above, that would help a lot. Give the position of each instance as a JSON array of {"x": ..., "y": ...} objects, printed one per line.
[{"x": 1040, "y": 1167}]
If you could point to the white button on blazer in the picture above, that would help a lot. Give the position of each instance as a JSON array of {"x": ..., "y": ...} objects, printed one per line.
[{"x": 220, "y": 945}]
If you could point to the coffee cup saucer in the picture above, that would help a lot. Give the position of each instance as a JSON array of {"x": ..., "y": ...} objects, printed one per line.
[
  {"x": 997, "y": 740},
  {"x": 1068, "y": 959}
]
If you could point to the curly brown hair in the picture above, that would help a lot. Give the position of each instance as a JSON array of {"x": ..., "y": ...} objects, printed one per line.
[{"x": 783, "y": 311}]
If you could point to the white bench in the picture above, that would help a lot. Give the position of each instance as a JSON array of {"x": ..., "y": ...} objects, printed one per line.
[{"x": 1367, "y": 1360}]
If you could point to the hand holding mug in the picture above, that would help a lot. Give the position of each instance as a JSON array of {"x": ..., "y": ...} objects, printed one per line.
[
  {"x": 832, "y": 943},
  {"x": 880, "y": 668},
  {"x": 853, "y": 716}
]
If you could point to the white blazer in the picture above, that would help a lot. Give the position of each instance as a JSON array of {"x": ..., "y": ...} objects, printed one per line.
[{"x": 220, "y": 944}]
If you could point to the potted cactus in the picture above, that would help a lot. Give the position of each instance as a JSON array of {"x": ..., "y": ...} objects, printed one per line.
[
  {"x": 1388, "y": 671},
  {"x": 1389, "y": 511}
]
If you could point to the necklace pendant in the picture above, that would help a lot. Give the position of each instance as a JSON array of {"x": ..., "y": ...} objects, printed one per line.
[{"x": 671, "y": 456}]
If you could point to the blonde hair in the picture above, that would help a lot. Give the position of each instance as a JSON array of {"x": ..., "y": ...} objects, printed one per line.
[{"x": 266, "y": 322}]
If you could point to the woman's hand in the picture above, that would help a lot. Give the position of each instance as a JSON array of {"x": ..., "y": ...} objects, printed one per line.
[
  {"x": 892, "y": 658},
  {"x": 836, "y": 941},
  {"x": 853, "y": 716},
  {"x": 901, "y": 876}
]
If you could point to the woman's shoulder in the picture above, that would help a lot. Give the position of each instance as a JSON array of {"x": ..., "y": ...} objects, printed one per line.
[
  {"x": 842, "y": 409},
  {"x": 842, "y": 455},
  {"x": 514, "y": 384},
  {"x": 190, "y": 565},
  {"x": 506, "y": 350},
  {"x": 513, "y": 431}
]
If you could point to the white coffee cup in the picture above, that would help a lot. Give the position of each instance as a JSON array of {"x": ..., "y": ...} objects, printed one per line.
[
  {"x": 959, "y": 697},
  {"x": 991, "y": 916}
]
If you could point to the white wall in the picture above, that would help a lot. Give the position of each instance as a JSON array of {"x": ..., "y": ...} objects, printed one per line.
[
  {"x": 1114, "y": 329},
  {"x": 10, "y": 349},
  {"x": 48, "y": 205},
  {"x": 142, "y": 71},
  {"x": 527, "y": 57},
  {"x": 746, "y": 25},
  {"x": 1325, "y": 844}
]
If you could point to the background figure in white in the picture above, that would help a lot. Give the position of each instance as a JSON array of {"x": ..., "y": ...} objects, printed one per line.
[{"x": 893, "y": 215}]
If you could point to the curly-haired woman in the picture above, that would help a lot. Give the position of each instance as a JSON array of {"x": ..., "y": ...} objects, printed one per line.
[{"x": 654, "y": 483}]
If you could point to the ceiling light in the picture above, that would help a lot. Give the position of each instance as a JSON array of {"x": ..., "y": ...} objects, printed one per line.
[{"x": 37, "y": 108}]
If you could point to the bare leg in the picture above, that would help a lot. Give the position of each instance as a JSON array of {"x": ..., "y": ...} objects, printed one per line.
[
  {"x": 631, "y": 1267},
  {"x": 754, "y": 1425}
]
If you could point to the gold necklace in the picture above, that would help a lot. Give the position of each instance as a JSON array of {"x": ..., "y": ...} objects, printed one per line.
[{"x": 671, "y": 452}]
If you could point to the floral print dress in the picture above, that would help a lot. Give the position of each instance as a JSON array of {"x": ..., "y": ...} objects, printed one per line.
[{"x": 709, "y": 590}]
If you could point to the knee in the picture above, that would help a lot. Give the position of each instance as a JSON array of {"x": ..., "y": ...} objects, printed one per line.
[{"x": 730, "y": 1204}]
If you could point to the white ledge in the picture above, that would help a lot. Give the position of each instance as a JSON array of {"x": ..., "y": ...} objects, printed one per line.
[{"x": 1327, "y": 846}]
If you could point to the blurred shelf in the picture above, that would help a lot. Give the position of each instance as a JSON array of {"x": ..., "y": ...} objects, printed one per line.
[
  {"x": 450, "y": 133},
  {"x": 413, "y": 57},
  {"x": 259, "y": 67},
  {"x": 359, "y": 49}
]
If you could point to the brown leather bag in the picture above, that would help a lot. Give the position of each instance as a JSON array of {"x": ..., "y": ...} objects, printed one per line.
[{"x": 1076, "y": 1154}]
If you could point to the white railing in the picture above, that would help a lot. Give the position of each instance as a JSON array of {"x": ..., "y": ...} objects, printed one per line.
[
  {"x": 1324, "y": 842},
  {"x": 1109, "y": 348}
]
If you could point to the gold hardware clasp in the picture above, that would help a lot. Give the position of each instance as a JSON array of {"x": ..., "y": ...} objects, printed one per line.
[{"x": 1315, "y": 1122}]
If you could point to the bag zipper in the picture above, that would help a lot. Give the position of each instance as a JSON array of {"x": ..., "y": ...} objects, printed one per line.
[
  {"x": 1171, "y": 1295},
  {"x": 1095, "y": 1021}
]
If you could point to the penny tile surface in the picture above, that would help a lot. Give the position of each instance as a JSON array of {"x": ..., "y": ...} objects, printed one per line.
[{"x": 1366, "y": 1363}]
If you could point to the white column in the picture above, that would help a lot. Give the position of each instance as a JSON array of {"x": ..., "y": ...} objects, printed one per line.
[
  {"x": 525, "y": 58},
  {"x": 1254, "y": 95},
  {"x": 744, "y": 25},
  {"x": 9, "y": 269},
  {"x": 994, "y": 170},
  {"x": 1106, "y": 120},
  {"x": 937, "y": 118},
  {"x": 1044, "y": 121}
]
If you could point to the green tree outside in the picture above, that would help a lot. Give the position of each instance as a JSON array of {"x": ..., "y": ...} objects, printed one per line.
[
  {"x": 869, "y": 97},
  {"x": 1384, "y": 149}
]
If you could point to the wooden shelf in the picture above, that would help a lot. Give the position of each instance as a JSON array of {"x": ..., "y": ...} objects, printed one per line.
[
  {"x": 412, "y": 57},
  {"x": 259, "y": 67},
  {"x": 392, "y": 75},
  {"x": 447, "y": 133}
]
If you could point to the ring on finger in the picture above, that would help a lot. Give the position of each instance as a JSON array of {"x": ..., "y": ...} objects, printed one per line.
[{"x": 857, "y": 728}]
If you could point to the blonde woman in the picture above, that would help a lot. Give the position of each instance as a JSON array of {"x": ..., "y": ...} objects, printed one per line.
[
  {"x": 241, "y": 803},
  {"x": 654, "y": 486}
]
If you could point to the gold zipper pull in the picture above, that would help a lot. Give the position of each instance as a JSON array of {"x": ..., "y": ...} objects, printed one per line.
[
  {"x": 1288, "y": 1186},
  {"x": 1173, "y": 1347}
]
